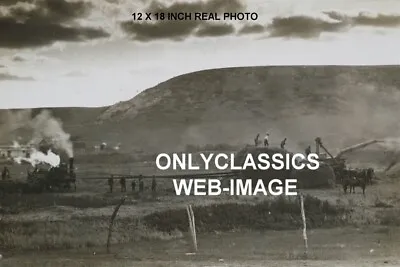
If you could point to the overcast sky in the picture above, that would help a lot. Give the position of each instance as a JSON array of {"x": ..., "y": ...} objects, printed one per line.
[{"x": 91, "y": 53}]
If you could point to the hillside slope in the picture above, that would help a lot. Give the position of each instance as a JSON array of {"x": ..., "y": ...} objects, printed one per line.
[{"x": 341, "y": 104}]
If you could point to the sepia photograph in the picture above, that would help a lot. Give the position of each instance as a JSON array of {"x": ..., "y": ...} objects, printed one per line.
[{"x": 199, "y": 133}]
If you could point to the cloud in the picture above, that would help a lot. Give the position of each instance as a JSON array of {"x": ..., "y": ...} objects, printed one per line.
[
  {"x": 52, "y": 10},
  {"x": 18, "y": 59},
  {"x": 75, "y": 74},
  {"x": 252, "y": 28},
  {"x": 302, "y": 26},
  {"x": 210, "y": 6},
  {"x": 215, "y": 30},
  {"x": 159, "y": 30},
  {"x": 169, "y": 29},
  {"x": 61, "y": 10},
  {"x": 13, "y": 2},
  {"x": 364, "y": 19},
  {"x": 10, "y": 77},
  {"x": 44, "y": 23},
  {"x": 309, "y": 27}
]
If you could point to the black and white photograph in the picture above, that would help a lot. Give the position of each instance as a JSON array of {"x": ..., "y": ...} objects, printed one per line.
[{"x": 199, "y": 133}]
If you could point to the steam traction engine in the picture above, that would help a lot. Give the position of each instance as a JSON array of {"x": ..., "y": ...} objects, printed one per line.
[{"x": 55, "y": 179}]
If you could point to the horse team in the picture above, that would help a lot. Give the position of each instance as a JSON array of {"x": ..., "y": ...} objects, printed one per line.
[{"x": 351, "y": 179}]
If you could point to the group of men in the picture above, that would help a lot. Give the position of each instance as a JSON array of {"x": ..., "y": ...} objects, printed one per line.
[
  {"x": 266, "y": 140},
  {"x": 122, "y": 182},
  {"x": 283, "y": 143}
]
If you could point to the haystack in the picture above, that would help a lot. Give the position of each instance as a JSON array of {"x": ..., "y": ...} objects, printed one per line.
[
  {"x": 323, "y": 177},
  {"x": 266, "y": 175}
]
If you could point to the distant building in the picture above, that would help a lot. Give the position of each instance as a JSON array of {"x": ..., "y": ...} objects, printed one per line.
[{"x": 14, "y": 152}]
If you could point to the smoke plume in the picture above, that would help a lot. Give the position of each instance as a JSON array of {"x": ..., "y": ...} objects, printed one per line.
[
  {"x": 12, "y": 120},
  {"x": 46, "y": 127}
]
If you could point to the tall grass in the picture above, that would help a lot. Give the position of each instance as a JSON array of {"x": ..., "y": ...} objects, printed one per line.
[
  {"x": 282, "y": 213},
  {"x": 278, "y": 214}
]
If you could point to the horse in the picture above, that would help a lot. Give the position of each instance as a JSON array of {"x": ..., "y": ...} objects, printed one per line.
[{"x": 354, "y": 179}]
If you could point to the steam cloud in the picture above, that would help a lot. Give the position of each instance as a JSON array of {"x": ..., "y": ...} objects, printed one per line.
[
  {"x": 38, "y": 157},
  {"x": 44, "y": 127},
  {"x": 16, "y": 144}
]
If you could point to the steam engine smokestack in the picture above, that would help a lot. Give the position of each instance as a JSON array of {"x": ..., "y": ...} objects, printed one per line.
[{"x": 71, "y": 166}]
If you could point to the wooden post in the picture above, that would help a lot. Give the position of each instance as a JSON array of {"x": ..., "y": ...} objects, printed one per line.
[
  {"x": 304, "y": 225},
  {"x": 192, "y": 226},
  {"x": 111, "y": 223}
]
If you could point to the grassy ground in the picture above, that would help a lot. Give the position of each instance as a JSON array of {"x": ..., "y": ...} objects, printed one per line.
[
  {"x": 84, "y": 230},
  {"x": 367, "y": 246}
]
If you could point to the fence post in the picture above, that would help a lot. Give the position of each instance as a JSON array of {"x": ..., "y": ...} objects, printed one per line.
[
  {"x": 192, "y": 226},
  {"x": 111, "y": 223},
  {"x": 303, "y": 216}
]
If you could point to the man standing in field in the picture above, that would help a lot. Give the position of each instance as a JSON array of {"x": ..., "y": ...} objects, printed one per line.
[
  {"x": 153, "y": 187},
  {"x": 133, "y": 185},
  {"x": 122, "y": 182},
  {"x": 283, "y": 143},
  {"x": 141, "y": 184},
  {"x": 308, "y": 150},
  {"x": 111, "y": 183},
  {"x": 266, "y": 140},
  {"x": 256, "y": 140},
  {"x": 5, "y": 174}
]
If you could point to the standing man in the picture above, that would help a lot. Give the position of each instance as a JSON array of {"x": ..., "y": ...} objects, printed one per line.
[
  {"x": 133, "y": 185},
  {"x": 122, "y": 181},
  {"x": 283, "y": 143},
  {"x": 256, "y": 140},
  {"x": 5, "y": 174},
  {"x": 153, "y": 187},
  {"x": 266, "y": 140},
  {"x": 141, "y": 184},
  {"x": 111, "y": 183},
  {"x": 308, "y": 150}
]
